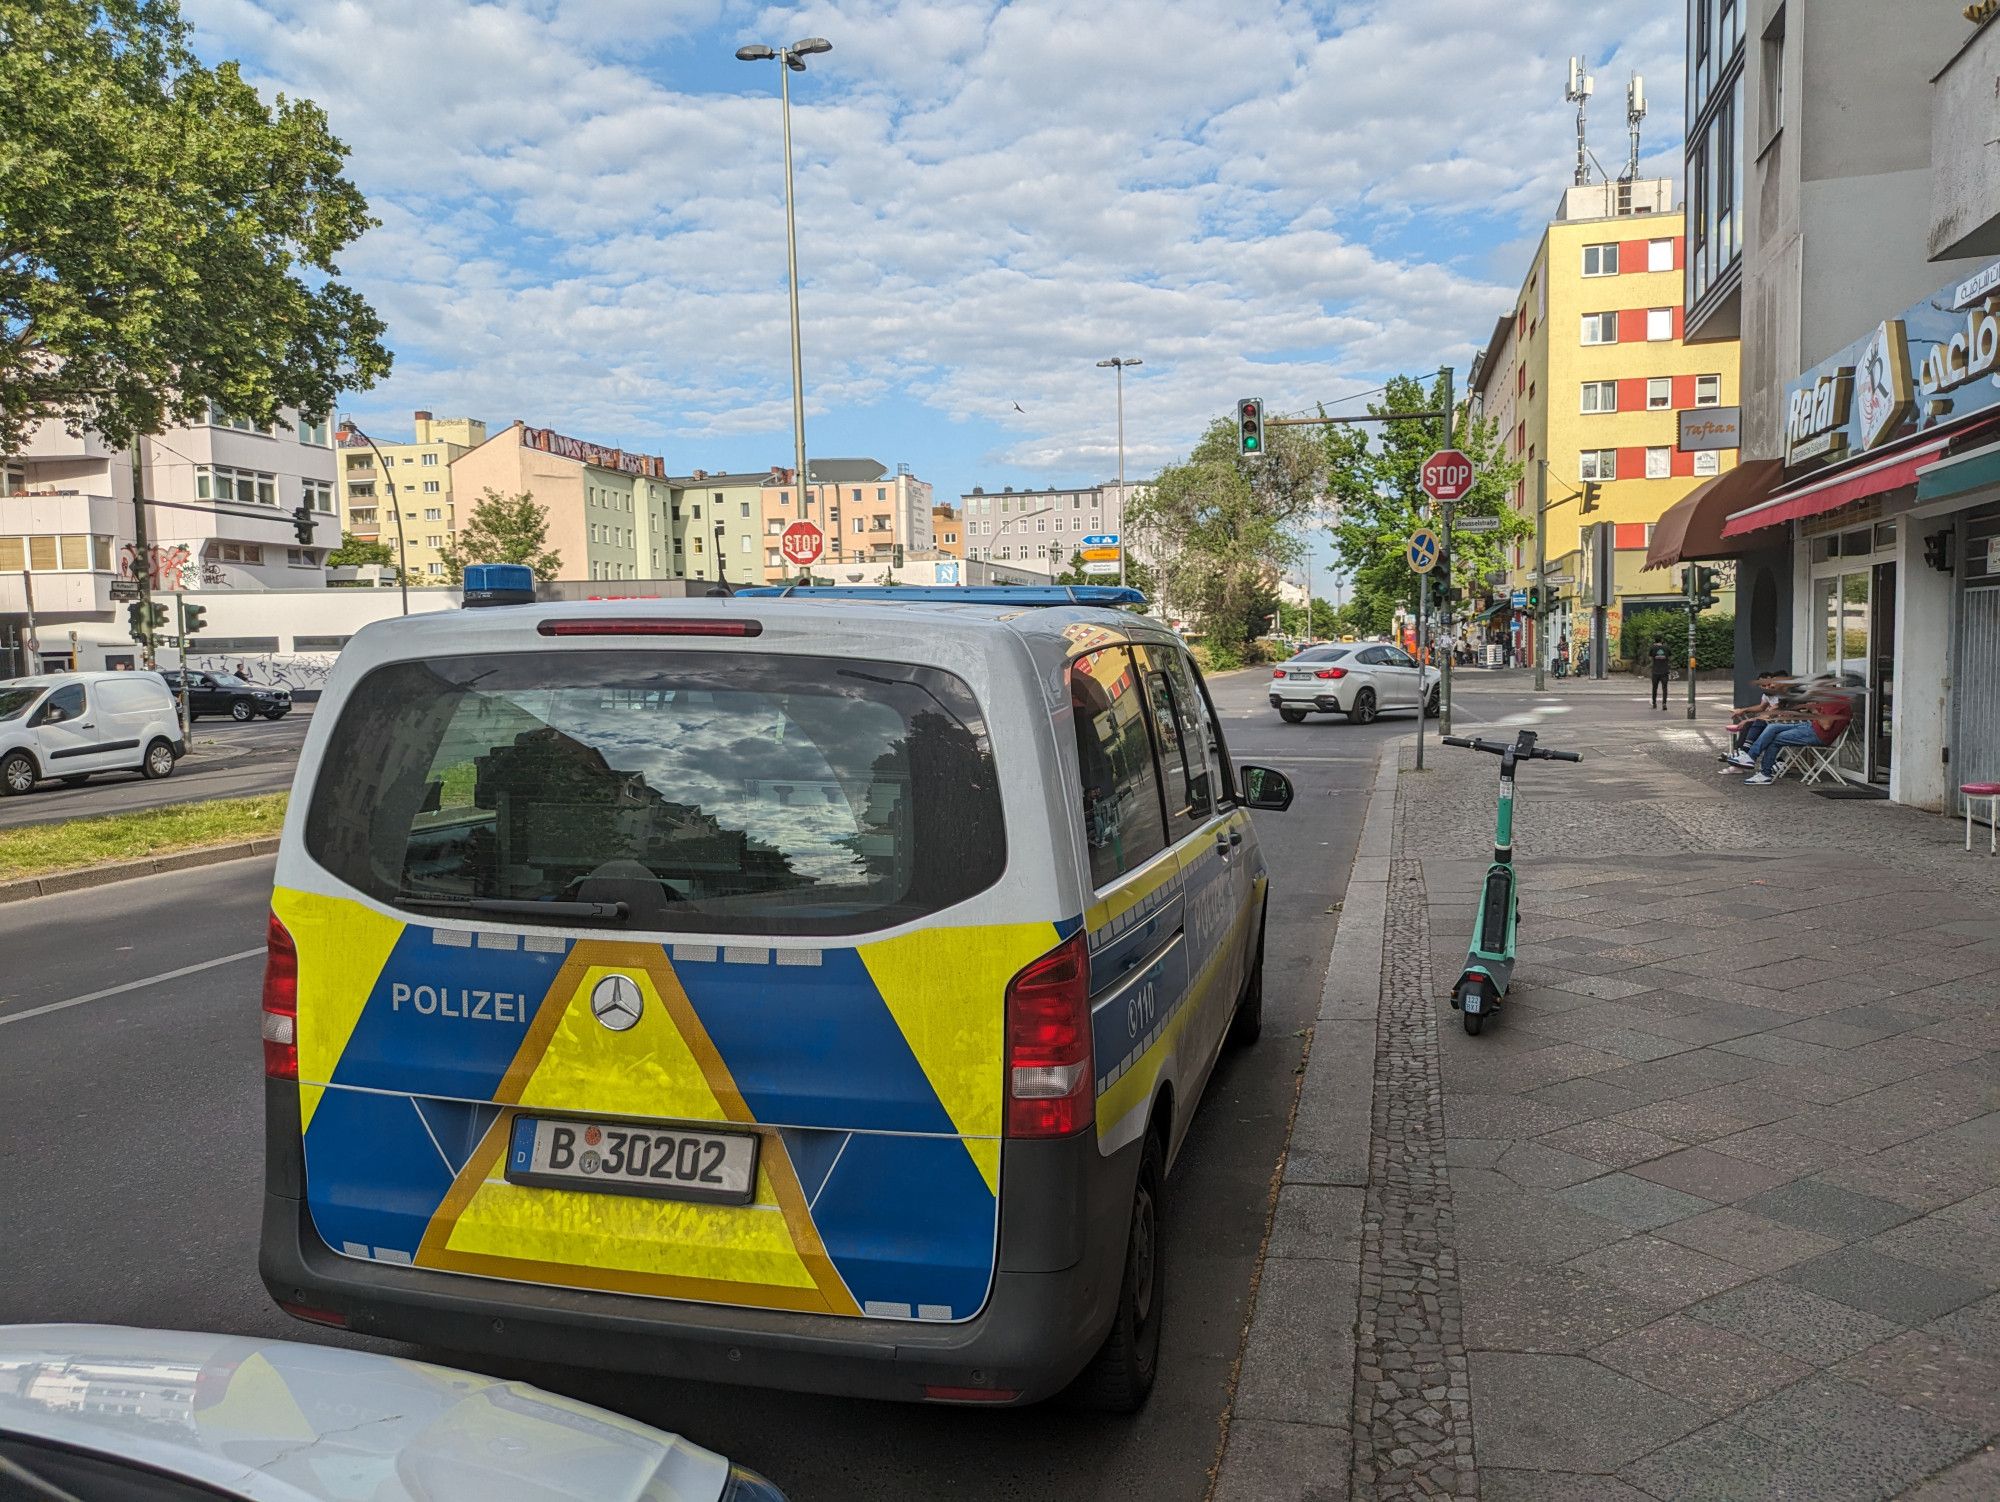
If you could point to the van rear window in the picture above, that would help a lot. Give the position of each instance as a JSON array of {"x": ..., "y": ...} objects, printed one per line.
[{"x": 708, "y": 792}]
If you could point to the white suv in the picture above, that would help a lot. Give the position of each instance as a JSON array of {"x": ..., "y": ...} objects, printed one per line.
[
  {"x": 70, "y": 725},
  {"x": 1357, "y": 679}
]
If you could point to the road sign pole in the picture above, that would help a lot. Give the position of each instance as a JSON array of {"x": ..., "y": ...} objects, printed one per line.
[
  {"x": 1423, "y": 614},
  {"x": 1538, "y": 614},
  {"x": 1444, "y": 682},
  {"x": 1692, "y": 575}
]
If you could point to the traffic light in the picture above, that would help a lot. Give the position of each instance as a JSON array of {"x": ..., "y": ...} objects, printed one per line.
[
  {"x": 1534, "y": 597},
  {"x": 896, "y": 555},
  {"x": 193, "y": 618},
  {"x": 1705, "y": 584},
  {"x": 1250, "y": 425},
  {"x": 145, "y": 620},
  {"x": 302, "y": 523},
  {"x": 1592, "y": 493}
]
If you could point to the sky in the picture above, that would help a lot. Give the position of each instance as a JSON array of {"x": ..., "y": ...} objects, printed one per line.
[{"x": 582, "y": 208}]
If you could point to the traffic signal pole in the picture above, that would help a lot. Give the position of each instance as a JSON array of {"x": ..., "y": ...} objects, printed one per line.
[
  {"x": 1692, "y": 575},
  {"x": 1539, "y": 615},
  {"x": 142, "y": 563},
  {"x": 1445, "y": 615},
  {"x": 181, "y": 623}
]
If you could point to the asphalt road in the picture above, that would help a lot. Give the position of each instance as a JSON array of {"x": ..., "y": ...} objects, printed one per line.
[
  {"x": 227, "y": 760},
  {"x": 130, "y": 1135}
]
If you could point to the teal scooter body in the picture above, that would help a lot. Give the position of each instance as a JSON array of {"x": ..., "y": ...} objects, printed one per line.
[{"x": 1489, "y": 962}]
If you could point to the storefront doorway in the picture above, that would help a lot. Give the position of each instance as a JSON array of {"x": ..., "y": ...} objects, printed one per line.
[
  {"x": 1854, "y": 611},
  {"x": 1882, "y": 672}
]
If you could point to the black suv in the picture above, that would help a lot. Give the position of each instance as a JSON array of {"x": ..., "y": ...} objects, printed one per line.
[{"x": 225, "y": 693}]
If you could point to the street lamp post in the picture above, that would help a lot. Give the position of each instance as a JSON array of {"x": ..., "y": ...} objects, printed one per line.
[
  {"x": 347, "y": 434},
  {"x": 1119, "y": 363},
  {"x": 793, "y": 59}
]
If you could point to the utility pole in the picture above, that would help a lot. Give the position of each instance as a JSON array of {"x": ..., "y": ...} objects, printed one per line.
[
  {"x": 142, "y": 563},
  {"x": 1539, "y": 615},
  {"x": 1444, "y": 697},
  {"x": 31, "y": 645},
  {"x": 1692, "y": 573}
]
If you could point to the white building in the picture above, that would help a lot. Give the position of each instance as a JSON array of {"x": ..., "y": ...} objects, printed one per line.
[
  {"x": 1040, "y": 530},
  {"x": 219, "y": 502}
]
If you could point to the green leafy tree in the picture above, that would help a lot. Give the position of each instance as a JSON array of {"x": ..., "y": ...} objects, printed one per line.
[
  {"x": 1219, "y": 527},
  {"x": 167, "y": 239},
  {"x": 503, "y": 529},
  {"x": 360, "y": 552},
  {"x": 1373, "y": 478}
]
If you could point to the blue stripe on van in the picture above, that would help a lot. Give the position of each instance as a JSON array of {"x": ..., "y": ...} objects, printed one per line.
[{"x": 908, "y": 1221}]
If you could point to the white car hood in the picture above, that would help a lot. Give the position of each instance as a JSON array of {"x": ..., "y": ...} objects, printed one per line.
[{"x": 282, "y": 1421}]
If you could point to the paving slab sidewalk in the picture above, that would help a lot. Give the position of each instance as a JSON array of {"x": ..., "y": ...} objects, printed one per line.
[{"x": 1712, "y": 1209}]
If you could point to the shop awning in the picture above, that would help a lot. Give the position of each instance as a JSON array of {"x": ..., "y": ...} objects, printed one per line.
[
  {"x": 1691, "y": 528},
  {"x": 1854, "y": 484},
  {"x": 1961, "y": 474}
]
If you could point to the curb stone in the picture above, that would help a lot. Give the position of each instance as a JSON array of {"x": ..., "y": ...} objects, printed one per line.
[
  {"x": 1291, "y": 1426},
  {"x": 55, "y": 882}
]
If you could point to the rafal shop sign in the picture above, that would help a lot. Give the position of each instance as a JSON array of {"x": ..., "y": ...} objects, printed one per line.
[
  {"x": 564, "y": 447},
  {"x": 1930, "y": 368}
]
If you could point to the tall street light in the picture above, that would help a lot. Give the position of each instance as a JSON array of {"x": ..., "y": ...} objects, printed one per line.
[
  {"x": 348, "y": 433},
  {"x": 1120, "y": 363},
  {"x": 794, "y": 60}
]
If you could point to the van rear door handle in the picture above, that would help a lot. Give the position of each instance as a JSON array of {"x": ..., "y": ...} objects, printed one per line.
[
  {"x": 87, "y": 725},
  {"x": 1235, "y": 838}
]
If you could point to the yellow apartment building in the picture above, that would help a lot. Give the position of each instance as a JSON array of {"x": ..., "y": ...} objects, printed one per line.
[
  {"x": 420, "y": 471},
  {"x": 1589, "y": 372}
]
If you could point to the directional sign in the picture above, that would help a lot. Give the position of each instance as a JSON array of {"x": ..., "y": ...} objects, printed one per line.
[
  {"x": 1446, "y": 475},
  {"x": 1100, "y": 555},
  {"x": 1101, "y": 540},
  {"x": 1478, "y": 524},
  {"x": 1518, "y": 599},
  {"x": 1100, "y": 568},
  {"x": 945, "y": 572},
  {"x": 1423, "y": 550},
  {"x": 802, "y": 543}
]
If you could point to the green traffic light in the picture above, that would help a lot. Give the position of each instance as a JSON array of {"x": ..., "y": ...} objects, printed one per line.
[{"x": 1249, "y": 443}]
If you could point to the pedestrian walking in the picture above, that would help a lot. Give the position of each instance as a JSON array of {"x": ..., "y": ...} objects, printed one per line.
[{"x": 1662, "y": 665}]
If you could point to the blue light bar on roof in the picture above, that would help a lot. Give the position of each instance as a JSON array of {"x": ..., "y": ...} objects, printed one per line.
[{"x": 1107, "y": 595}]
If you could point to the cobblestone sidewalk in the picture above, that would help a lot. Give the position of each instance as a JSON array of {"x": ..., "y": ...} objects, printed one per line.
[{"x": 1718, "y": 1217}]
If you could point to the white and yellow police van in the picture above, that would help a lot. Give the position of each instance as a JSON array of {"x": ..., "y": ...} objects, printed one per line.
[{"x": 799, "y": 991}]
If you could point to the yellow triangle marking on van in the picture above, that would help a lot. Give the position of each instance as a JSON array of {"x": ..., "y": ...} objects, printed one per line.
[{"x": 342, "y": 948}]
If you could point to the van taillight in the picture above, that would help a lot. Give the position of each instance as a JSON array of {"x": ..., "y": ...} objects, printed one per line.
[
  {"x": 281, "y": 1003},
  {"x": 1050, "y": 1090}
]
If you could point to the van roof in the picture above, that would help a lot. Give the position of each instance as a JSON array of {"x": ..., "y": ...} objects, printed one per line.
[{"x": 88, "y": 675}]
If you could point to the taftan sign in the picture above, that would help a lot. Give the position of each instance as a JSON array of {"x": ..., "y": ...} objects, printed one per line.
[
  {"x": 1930, "y": 368},
  {"x": 564, "y": 447}
]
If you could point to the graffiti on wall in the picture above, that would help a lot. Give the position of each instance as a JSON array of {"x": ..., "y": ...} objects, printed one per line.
[
  {"x": 167, "y": 567},
  {"x": 287, "y": 670}
]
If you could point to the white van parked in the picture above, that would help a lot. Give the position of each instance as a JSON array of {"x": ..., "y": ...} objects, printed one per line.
[{"x": 70, "y": 725}]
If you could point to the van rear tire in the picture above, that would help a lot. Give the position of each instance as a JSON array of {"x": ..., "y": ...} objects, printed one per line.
[
  {"x": 17, "y": 773},
  {"x": 1122, "y": 1372},
  {"x": 159, "y": 760}
]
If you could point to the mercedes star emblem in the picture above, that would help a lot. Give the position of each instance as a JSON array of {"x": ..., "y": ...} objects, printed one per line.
[{"x": 615, "y": 1001}]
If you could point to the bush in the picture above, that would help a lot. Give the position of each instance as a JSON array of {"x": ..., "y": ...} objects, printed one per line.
[
  {"x": 1714, "y": 638},
  {"x": 1217, "y": 657}
]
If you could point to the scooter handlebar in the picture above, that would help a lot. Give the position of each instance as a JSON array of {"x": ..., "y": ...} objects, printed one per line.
[{"x": 1501, "y": 748}]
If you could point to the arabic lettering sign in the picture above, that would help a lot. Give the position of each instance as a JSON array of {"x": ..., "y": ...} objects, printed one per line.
[
  {"x": 1930, "y": 368},
  {"x": 564, "y": 447}
]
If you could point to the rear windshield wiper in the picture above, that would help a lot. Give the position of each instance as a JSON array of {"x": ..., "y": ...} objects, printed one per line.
[{"x": 602, "y": 912}]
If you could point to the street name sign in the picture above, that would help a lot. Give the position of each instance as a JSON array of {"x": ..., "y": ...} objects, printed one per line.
[
  {"x": 1477, "y": 524},
  {"x": 1446, "y": 476},
  {"x": 1423, "y": 550},
  {"x": 1100, "y": 555},
  {"x": 802, "y": 543},
  {"x": 1100, "y": 568}
]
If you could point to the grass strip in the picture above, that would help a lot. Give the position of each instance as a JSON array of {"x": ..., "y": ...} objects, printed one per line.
[{"x": 77, "y": 844}]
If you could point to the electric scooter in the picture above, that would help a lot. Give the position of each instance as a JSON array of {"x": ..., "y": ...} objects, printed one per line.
[{"x": 1489, "y": 964}]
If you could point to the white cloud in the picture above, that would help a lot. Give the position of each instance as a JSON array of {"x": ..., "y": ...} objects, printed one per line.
[{"x": 582, "y": 220}]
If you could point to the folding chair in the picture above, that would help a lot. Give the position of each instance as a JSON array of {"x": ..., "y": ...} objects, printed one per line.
[{"x": 1814, "y": 763}]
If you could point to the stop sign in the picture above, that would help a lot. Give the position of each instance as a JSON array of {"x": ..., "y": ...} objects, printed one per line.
[
  {"x": 802, "y": 543},
  {"x": 1447, "y": 476}
]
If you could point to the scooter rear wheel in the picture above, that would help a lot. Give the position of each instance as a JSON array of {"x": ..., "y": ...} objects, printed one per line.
[{"x": 1474, "y": 1021}]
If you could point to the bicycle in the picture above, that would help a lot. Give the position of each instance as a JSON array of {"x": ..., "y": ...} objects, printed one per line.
[{"x": 1489, "y": 963}]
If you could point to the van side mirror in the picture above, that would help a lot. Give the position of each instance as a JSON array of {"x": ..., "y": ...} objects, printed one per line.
[
  {"x": 1264, "y": 788},
  {"x": 51, "y": 715}
]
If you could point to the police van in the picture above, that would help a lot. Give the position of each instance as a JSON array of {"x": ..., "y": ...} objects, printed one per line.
[{"x": 796, "y": 991}]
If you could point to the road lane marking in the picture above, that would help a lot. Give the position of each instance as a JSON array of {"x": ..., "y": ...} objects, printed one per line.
[{"x": 130, "y": 985}]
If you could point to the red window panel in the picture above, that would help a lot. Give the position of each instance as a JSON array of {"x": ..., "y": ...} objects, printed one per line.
[
  {"x": 1632, "y": 464},
  {"x": 1631, "y": 534},
  {"x": 1632, "y": 395},
  {"x": 1631, "y": 325},
  {"x": 1683, "y": 463},
  {"x": 1680, "y": 252},
  {"x": 1631, "y": 256},
  {"x": 1683, "y": 392}
]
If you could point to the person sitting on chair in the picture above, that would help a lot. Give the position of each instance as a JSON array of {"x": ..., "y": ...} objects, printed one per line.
[
  {"x": 1821, "y": 720},
  {"x": 1747, "y": 721}
]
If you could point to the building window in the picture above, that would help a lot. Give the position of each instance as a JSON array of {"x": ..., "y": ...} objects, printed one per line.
[
  {"x": 434, "y": 569},
  {"x": 217, "y": 418},
  {"x": 861, "y": 524},
  {"x": 319, "y": 494},
  {"x": 47, "y": 553},
  {"x": 743, "y": 507},
  {"x": 431, "y": 487},
  {"x": 1708, "y": 391},
  {"x": 1600, "y": 328},
  {"x": 314, "y": 433},
  {"x": 302, "y": 557},
  {"x": 881, "y": 493},
  {"x": 1600, "y": 396},
  {"x": 1659, "y": 463},
  {"x": 1772, "y": 116},
  {"x": 435, "y": 540},
  {"x": 218, "y": 484},
  {"x": 1659, "y": 324},
  {"x": 1708, "y": 462},
  {"x": 429, "y": 459},
  {"x": 1600, "y": 260},
  {"x": 1659, "y": 393},
  {"x": 1598, "y": 464},
  {"x": 433, "y": 513},
  {"x": 240, "y": 552},
  {"x": 745, "y": 541},
  {"x": 1659, "y": 255}
]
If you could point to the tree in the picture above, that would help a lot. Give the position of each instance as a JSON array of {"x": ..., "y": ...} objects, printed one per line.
[
  {"x": 1219, "y": 527},
  {"x": 167, "y": 240},
  {"x": 1379, "y": 501},
  {"x": 360, "y": 552},
  {"x": 503, "y": 529}
]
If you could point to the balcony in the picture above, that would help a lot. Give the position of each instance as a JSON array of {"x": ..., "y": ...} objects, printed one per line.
[{"x": 1965, "y": 154}]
